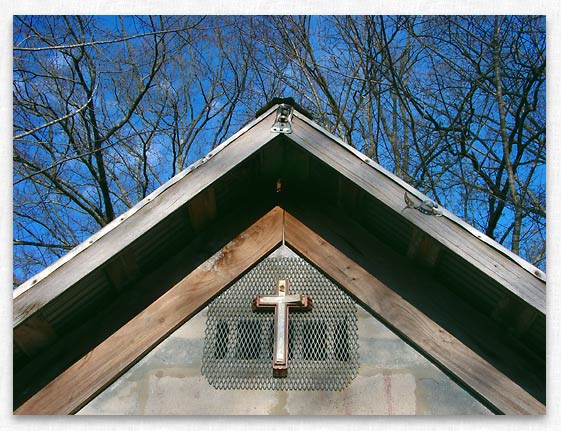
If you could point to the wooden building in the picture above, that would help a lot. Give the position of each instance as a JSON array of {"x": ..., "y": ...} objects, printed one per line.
[{"x": 467, "y": 304}]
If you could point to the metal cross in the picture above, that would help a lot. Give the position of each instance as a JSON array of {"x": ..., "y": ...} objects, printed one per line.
[{"x": 281, "y": 302}]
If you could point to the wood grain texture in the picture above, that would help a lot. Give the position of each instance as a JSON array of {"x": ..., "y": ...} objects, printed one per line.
[
  {"x": 86, "y": 378},
  {"x": 423, "y": 249},
  {"x": 427, "y": 336},
  {"x": 106, "y": 244},
  {"x": 32, "y": 375},
  {"x": 416, "y": 283},
  {"x": 456, "y": 238},
  {"x": 450, "y": 216}
]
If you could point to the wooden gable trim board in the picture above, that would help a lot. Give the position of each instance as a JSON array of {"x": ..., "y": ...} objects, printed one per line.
[
  {"x": 524, "y": 280},
  {"x": 414, "y": 192},
  {"x": 427, "y": 336},
  {"x": 116, "y": 236},
  {"x": 77, "y": 385},
  {"x": 82, "y": 381},
  {"x": 71, "y": 345},
  {"x": 414, "y": 281},
  {"x": 524, "y": 284}
]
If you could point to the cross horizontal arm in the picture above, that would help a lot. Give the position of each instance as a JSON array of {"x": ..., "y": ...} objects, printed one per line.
[{"x": 288, "y": 299}]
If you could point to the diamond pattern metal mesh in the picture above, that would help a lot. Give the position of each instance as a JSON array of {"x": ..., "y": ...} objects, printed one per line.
[{"x": 323, "y": 342}]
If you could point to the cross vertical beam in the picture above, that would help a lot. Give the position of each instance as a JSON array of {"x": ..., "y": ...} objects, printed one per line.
[{"x": 281, "y": 303}]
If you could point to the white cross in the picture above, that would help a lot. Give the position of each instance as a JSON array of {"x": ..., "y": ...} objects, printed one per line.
[{"x": 281, "y": 302}]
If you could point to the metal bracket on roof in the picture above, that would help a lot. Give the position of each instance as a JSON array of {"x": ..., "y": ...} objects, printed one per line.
[
  {"x": 283, "y": 120},
  {"x": 427, "y": 207}
]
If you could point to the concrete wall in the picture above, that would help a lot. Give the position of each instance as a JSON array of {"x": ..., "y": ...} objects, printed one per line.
[{"x": 393, "y": 379}]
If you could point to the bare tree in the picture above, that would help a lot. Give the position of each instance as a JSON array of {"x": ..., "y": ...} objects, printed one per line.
[
  {"x": 453, "y": 105},
  {"x": 108, "y": 108},
  {"x": 488, "y": 106},
  {"x": 105, "y": 110}
]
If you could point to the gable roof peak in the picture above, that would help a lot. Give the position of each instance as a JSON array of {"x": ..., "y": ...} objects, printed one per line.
[{"x": 283, "y": 101}]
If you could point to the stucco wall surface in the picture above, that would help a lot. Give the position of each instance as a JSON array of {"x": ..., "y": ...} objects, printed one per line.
[{"x": 393, "y": 379}]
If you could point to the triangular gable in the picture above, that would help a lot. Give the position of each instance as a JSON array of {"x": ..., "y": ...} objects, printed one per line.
[
  {"x": 76, "y": 385},
  {"x": 81, "y": 382},
  {"x": 87, "y": 377},
  {"x": 184, "y": 373},
  {"x": 523, "y": 279}
]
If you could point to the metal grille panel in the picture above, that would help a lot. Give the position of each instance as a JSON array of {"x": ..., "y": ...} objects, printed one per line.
[{"x": 323, "y": 342}]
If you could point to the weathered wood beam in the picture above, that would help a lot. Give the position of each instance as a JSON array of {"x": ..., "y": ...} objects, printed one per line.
[
  {"x": 427, "y": 336},
  {"x": 100, "y": 367},
  {"x": 455, "y": 235},
  {"x": 491, "y": 339},
  {"x": 124, "y": 230},
  {"x": 34, "y": 374}
]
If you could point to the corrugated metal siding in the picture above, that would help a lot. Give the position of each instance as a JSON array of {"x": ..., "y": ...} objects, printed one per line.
[
  {"x": 383, "y": 223},
  {"x": 536, "y": 335},
  {"x": 163, "y": 241},
  {"x": 74, "y": 305},
  {"x": 468, "y": 282}
]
